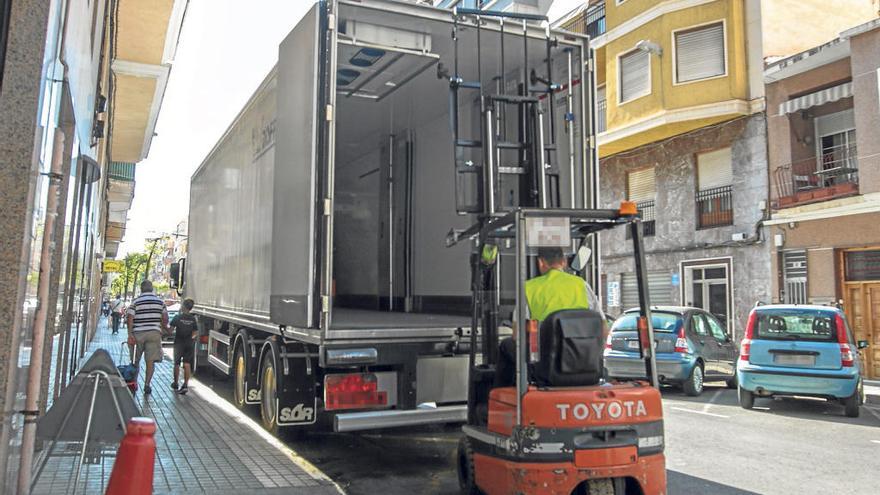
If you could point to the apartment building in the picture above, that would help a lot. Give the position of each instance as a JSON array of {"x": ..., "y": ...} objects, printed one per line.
[
  {"x": 81, "y": 85},
  {"x": 683, "y": 130},
  {"x": 823, "y": 112}
]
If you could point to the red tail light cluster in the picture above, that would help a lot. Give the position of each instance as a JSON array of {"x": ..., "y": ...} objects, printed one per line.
[
  {"x": 847, "y": 359},
  {"x": 746, "y": 346},
  {"x": 353, "y": 391},
  {"x": 608, "y": 341},
  {"x": 681, "y": 343}
]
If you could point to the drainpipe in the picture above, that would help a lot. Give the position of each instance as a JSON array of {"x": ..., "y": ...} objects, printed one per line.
[{"x": 35, "y": 370}]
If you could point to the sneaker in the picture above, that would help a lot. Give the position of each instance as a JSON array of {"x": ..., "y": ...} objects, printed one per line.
[
  {"x": 183, "y": 390},
  {"x": 174, "y": 386},
  {"x": 148, "y": 390}
]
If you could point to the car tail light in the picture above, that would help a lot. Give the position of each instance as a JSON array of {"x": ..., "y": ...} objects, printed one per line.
[
  {"x": 534, "y": 343},
  {"x": 746, "y": 346},
  {"x": 353, "y": 391},
  {"x": 608, "y": 341},
  {"x": 847, "y": 358},
  {"x": 681, "y": 343}
]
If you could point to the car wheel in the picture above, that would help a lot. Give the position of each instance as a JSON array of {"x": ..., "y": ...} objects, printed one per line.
[
  {"x": 466, "y": 482},
  {"x": 746, "y": 398},
  {"x": 733, "y": 382},
  {"x": 693, "y": 386},
  {"x": 851, "y": 404}
]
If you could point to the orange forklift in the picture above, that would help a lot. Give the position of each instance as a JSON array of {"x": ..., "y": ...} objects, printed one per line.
[
  {"x": 522, "y": 128},
  {"x": 561, "y": 429}
]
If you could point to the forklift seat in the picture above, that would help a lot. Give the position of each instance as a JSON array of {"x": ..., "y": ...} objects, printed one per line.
[{"x": 570, "y": 350}]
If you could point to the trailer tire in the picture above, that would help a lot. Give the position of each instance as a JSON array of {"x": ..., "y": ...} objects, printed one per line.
[
  {"x": 239, "y": 378},
  {"x": 465, "y": 457},
  {"x": 268, "y": 390}
]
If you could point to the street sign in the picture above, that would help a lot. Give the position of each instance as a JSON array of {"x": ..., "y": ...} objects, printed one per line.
[{"x": 112, "y": 266}]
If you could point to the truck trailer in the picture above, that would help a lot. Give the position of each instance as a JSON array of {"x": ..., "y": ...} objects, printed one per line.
[{"x": 317, "y": 250}]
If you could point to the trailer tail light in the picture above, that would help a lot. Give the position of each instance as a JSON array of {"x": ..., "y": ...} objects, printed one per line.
[
  {"x": 847, "y": 359},
  {"x": 681, "y": 343},
  {"x": 534, "y": 342},
  {"x": 353, "y": 391},
  {"x": 745, "y": 347}
]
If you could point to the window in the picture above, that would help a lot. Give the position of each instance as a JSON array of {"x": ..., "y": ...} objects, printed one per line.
[
  {"x": 634, "y": 75},
  {"x": 714, "y": 191},
  {"x": 862, "y": 266},
  {"x": 641, "y": 189},
  {"x": 699, "y": 53},
  {"x": 601, "y": 109},
  {"x": 716, "y": 329},
  {"x": 794, "y": 273},
  {"x": 700, "y": 325}
]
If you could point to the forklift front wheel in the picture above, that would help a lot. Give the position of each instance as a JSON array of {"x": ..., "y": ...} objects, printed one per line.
[{"x": 466, "y": 481}]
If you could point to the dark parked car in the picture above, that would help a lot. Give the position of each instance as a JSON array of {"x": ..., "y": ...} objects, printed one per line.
[{"x": 692, "y": 347}]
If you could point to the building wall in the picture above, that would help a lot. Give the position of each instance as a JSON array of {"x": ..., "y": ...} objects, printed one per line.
[
  {"x": 677, "y": 238},
  {"x": 865, "y": 49},
  {"x": 19, "y": 103}
]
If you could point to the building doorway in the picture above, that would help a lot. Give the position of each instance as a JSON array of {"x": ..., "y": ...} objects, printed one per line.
[
  {"x": 706, "y": 284},
  {"x": 861, "y": 300}
]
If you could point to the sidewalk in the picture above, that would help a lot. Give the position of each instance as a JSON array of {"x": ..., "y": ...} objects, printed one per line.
[{"x": 203, "y": 445}]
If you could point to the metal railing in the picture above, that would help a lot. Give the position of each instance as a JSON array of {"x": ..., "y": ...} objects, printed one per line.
[
  {"x": 121, "y": 171},
  {"x": 591, "y": 22},
  {"x": 715, "y": 207},
  {"x": 602, "y": 114},
  {"x": 836, "y": 171},
  {"x": 648, "y": 212}
]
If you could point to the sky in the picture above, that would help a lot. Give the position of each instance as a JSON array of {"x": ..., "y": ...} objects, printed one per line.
[{"x": 225, "y": 50}]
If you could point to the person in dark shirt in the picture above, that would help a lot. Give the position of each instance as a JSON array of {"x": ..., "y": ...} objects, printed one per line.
[{"x": 185, "y": 330}]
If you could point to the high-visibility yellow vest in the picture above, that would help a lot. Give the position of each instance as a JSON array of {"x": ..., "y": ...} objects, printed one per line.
[{"x": 555, "y": 291}]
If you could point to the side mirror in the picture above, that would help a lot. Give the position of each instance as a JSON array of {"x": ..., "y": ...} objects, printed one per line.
[
  {"x": 174, "y": 272},
  {"x": 863, "y": 344},
  {"x": 581, "y": 258}
]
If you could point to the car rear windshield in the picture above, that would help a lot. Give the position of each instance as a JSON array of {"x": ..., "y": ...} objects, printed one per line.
[
  {"x": 796, "y": 324},
  {"x": 662, "y": 322}
]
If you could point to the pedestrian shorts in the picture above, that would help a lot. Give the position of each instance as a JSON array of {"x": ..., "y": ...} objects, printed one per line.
[
  {"x": 184, "y": 351},
  {"x": 149, "y": 343}
]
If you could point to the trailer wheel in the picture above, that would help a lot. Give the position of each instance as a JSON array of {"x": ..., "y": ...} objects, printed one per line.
[
  {"x": 268, "y": 390},
  {"x": 466, "y": 481},
  {"x": 239, "y": 370}
]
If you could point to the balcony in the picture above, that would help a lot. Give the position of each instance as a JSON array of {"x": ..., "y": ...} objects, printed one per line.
[
  {"x": 832, "y": 175},
  {"x": 648, "y": 213},
  {"x": 715, "y": 207},
  {"x": 121, "y": 171},
  {"x": 590, "y": 22}
]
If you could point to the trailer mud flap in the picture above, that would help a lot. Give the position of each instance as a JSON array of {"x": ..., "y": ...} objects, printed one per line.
[{"x": 296, "y": 401}]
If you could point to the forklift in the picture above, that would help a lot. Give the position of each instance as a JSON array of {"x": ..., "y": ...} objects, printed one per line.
[{"x": 561, "y": 429}]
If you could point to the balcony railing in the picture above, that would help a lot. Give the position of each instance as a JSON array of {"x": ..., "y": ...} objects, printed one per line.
[
  {"x": 833, "y": 174},
  {"x": 602, "y": 117},
  {"x": 715, "y": 207},
  {"x": 121, "y": 171},
  {"x": 647, "y": 212},
  {"x": 591, "y": 22}
]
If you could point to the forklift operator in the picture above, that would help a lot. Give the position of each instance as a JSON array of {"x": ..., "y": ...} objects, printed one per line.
[{"x": 552, "y": 291}]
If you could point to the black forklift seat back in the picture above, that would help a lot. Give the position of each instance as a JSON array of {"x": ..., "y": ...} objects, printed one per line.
[{"x": 571, "y": 347}]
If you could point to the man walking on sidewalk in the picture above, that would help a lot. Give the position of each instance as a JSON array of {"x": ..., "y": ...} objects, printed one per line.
[
  {"x": 185, "y": 326},
  {"x": 147, "y": 317},
  {"x": 116, "y": 313}
]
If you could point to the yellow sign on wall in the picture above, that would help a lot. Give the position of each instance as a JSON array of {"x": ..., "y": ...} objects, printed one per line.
[{"x": 112, "y": 266}]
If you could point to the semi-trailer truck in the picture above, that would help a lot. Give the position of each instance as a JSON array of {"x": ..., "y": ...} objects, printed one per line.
[{"x": 317, "y": 254}]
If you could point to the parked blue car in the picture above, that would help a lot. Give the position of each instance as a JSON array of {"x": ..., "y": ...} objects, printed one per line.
[
  {"x": 800, "y": 350},
  {"x": 692, "y": 347}
]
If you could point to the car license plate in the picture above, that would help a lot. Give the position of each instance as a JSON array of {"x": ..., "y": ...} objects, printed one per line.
[
  {"x": 794, "y": 359},
  {"x": 632, "y": 345}
]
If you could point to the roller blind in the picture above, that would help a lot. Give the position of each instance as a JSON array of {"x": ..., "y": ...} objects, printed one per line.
[
  {"x": 635, "y": 75},
  {"x": 699, "y": 53},
  {"x": 714, "y": 169},
  {"x": 641, "y": 185}
]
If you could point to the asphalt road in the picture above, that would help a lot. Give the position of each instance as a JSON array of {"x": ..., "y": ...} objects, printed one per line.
[{"x": 783, "y": 446}]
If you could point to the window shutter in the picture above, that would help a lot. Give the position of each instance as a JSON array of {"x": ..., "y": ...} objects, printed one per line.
[
  {"x": 699, "y": 53},
  {"x": 635, "y": 76},
  {"x": 714, "y": 169},
  {"x": 641, "y": 185}
]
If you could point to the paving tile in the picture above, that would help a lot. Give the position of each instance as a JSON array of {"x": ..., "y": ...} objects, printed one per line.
[{"x": 199, "y": 448}]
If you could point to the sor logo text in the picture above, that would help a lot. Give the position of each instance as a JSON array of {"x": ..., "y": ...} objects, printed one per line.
[
  {"x": 297, "y": 414},
  {"x": 253, "y": 395}
]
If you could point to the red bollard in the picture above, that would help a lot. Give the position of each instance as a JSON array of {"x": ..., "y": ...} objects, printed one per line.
[{"x": 133, "y": 470}]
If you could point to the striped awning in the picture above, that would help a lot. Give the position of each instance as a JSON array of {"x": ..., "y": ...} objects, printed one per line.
[{"x": 818, "y": 98}]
